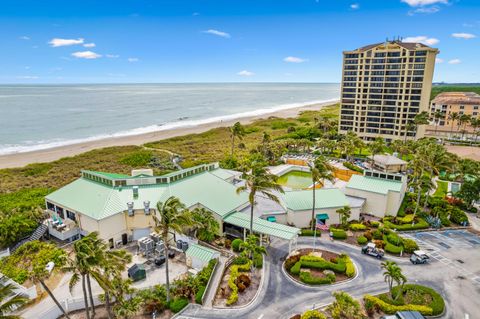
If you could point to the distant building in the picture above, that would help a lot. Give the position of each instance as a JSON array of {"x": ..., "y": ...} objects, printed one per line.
[
  {"x": 453, "y": 102},
  {"x": 388, "y": 163},
  {"x": 384, "y": 86}
]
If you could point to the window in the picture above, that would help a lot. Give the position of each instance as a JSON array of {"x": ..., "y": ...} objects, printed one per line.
[
  {"x": 462, "y": 107},
  {"x": 50, "y": 206},
  {"x": 71, "y": 215}
]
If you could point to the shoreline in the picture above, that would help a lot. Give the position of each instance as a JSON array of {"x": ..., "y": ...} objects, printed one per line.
[{"x": 51, "y": 154}]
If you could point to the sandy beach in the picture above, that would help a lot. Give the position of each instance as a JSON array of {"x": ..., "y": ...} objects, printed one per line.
[{"x": 51, "y": 154}]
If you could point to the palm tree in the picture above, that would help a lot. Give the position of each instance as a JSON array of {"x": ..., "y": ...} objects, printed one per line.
[
  {"x": 10, "y": 300},
  {"x": 420, "y": 119},
  {"x": 436, "y": 119},
  {"x": 259, "y": 180},
  {"x": 206, "y": 225},
  {"x": 453, "y": 116},
  {"x": 237, "y": 130},
  {"x": 266, "y": 139},
  {"x": 376, "y": 147},
  {"x": 321, "y": 170},
  {"x": 172, "y": 216},
  {"x": 393, "y": 273},
  {"x": 250, "y": 247},
  {"x": 475, "y": 124},
  {"x": 347, "y": 147},
  {"x": 463, "y": 120},
  {"x": 344, "y": 214}
]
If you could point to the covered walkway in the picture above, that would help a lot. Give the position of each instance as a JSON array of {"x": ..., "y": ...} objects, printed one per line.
[{"x": 263, "y": 227}]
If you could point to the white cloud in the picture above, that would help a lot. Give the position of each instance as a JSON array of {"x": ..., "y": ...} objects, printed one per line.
[
  {"x": 89, "y": 45},
  {"x": 294, "y": 59},
  {"x": 56, "y": 42},
  {"x": 420, "y": 3},
  {"x": 28, "y": 77},
  {"x": 112, "y": 56},
  {"x": 245, "y": 73},
  {"x": 424, "y": 10},
  {"x": 438, "y": 60},
  {"x": 86, "y": 55},
  {"x": 218, "y": 33},
  {"x": 133, "y": 59},
  {"x": 465, "y": 36},
  {"x": 354, "y": 6},
  {"x": 455, "y": 61},
  {"x": 421, "y": 39},
  {"x": 24, "y": 37}
]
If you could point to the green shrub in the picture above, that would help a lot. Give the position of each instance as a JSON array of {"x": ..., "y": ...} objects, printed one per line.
[
  {"x": 392, "y": 249},
  {"x": 281, "y": 124},
  {"x": 409, "y": 245},
  {"x": 258, "y": 260},
  {"x": 392, "y": 309},
  {"x": 458, "y": 216},
  {"x": 236, "y": 244},
  {"x": 421, "y": 224},
  {"x": 139, "y": 158},
  {"x": 437, "y": 303},
  {"x": 240, "y": 260},
  {"x": 352, "y": 167},
  {"x": 374, "y": 224},
  {"x": 362, "y": 240},
  {"x": 339, "y": 233},
  {"x": 232, "y": 282},
  {"x": 177, "y": 304},
  {"x": 313, "y": 314},
  {"x": 306, "y": 277},
  {"x": 199, "y": 294},
  {"x": 295, "y": 270},
  {"x": 25, "y": 199},
  {"x": 394, "y": 239},
  {"x": 357, "y": 227},
  {"x": 408, "y": 219},
  {"x": 292, "y": 260},
  {"x": 323, "y": 264},
  {"x": 377, "y": 234},
  {"x": 349, "y": 266},
  {"x": 309, "y": 232}
]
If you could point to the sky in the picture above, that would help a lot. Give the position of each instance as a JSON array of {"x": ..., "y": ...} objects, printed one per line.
[{"x": 165, "y": 41}]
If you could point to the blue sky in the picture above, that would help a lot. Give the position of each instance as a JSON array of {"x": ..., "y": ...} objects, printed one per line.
[{"x": 224, "y": 40}]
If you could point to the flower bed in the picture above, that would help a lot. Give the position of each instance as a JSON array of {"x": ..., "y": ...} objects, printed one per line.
[
  {"x": 319, "y": 267},
  {"x": 413, "y": 298}
]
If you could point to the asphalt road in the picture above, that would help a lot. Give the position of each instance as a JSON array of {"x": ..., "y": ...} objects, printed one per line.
[{"x": 281, "y": 298}]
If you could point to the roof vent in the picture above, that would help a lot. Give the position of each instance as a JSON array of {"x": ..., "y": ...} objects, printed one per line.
[
  {"x": 135, "y": 191},
  {"x": 146, "y": 205},
  {"x": 130, "y": 209},
  {"x": 143, "y": 171}
]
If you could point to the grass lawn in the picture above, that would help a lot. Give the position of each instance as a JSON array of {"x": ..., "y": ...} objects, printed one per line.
[{"x": 442, "y": 189}]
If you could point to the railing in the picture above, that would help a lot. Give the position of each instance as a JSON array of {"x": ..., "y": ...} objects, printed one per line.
[{"x": 63, "y": 235}]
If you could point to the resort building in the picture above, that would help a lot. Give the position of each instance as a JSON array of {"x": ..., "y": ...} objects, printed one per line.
[
  {"x": 448, "y": 103},
  {"x": 384, "y": 86},
  {"x": 388, "y": 163},
  {"x": 383, "y": 192}
]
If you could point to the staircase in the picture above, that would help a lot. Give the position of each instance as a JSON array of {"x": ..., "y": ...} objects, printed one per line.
[{"x": 36, "y": 235}]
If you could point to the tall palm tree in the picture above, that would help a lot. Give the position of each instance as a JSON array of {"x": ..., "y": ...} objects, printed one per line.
[
  {"x": 10, "y": 300},
  {"x": 376, "y": 147},
  {"x": 236, "y": 131},
  {"x": 462, "y": 121},
  {"x": 436, "y": 119},
  {"x": 475, "y": 124},
  {"x": 266, "y": 139},
  {"x": 393, "y": 273},
  {"x": 420, "y": 119},
  {"x": 453, "y": 116},
  {"x": 259, "y": 180},
  {"x": 344, "y": 214},
  {"x": 250, "y": 247},
  {"x": 171, "y": 215},
  {"x": 321, "y": 170}
]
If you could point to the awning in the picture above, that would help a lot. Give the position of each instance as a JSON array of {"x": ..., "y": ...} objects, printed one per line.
[
  {"x": 262, "y": 226},
  {"x": 322, "y": 216},
  {"x": 272, "y": 219}
]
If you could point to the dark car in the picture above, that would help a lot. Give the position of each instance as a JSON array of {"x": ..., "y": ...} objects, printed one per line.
[
  {"x": 370, "y": 249},
  {"x": 405, "y": 315}
]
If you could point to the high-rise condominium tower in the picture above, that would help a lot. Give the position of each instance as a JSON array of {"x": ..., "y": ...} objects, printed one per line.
[{"x": 384, "y": 86}]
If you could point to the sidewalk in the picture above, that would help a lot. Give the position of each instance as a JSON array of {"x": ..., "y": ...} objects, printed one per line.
[{"x": 212, "y": 289}]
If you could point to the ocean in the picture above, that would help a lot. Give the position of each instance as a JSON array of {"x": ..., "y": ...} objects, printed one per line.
[{"x": 36, "y": 117}]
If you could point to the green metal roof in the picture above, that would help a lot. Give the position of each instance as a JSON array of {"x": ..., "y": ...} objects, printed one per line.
[
  {"x": 200, "y": 252},
  {"x": 222, "y": 173},
  {"x": 324, "y": 198},
  {"x": 109, "y": 175},
  {"x": 262, "y": 226},
  {"x": 100, "y": 201},
  {"x": 374, "y": 185}
]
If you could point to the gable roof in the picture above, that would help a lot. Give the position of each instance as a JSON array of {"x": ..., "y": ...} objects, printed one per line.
[
  {"x": 203, "y": 253},
  {"x": 374, "y": 185},
  {"x": 324, "y": 198},
  {"x": 387, "y": 159},
  {"x": 100, "y": 201}
]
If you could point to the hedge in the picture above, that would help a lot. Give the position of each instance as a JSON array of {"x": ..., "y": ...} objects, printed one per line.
[
  {"x": 258, "y": 260},
  {"x": 313, "y": 314},
  {"x": 178, "y": 304},
  {"x": 339, "y": 234},
  {"x": 349, "y": 267},
  {"x": 234, "y": 272},
  {"x": 421, "y": 224},
  {"x": 306, "y": 277},
  {"x": 236, "y": 244},
  {"x": 392, "y": 309},
  {"x": 295, "y": 270},
  {"x": 309, "y": 232},
  {"x": 374, "y": 224},
  {"x": 437, "y": 305},
  {"x": 356, "y": 227},
  {"x": 409, "y": 245},
  {"x": 361, "y": 240},
  {"x": 199, "y": 294},
  {"x": 392, "y": 249},
  {"x": 352, "y": 167},
  {"x": 320, "y": 263}
]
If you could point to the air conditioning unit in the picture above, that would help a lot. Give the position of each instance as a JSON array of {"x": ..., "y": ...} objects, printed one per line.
[
  {"x": 146, "y": 205},
  {"x": 130, "y": 209}
]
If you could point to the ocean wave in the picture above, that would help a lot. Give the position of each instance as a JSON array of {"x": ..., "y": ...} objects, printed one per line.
[{"x": 179, "y": 123}]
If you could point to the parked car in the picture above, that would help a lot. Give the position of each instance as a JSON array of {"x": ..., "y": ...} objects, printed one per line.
[
  {"x": 419, "y": 257},
  {"x": 405, "y": 315},
  {"x": 370, "y": 249}
]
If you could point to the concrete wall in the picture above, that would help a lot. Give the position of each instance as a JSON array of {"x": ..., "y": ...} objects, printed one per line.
[
  {"x": 113, "y": 227},
  {"x": 375, "y": 204},
  {"x": 301, "y": 219}
]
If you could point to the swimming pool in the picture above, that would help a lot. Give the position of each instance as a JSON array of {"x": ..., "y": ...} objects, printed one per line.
[{"x": 296, "y": 179}]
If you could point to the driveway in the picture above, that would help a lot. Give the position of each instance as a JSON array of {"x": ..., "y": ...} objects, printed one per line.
[{"x": 282, "y": 298}]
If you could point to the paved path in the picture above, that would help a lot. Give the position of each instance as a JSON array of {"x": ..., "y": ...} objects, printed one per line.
[
  {"x": 208, "y": 303},
  {"x": 281, "y": 298}
]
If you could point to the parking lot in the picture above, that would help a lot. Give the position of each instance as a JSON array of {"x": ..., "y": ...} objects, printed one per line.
[{"x": 457, "y": 249}]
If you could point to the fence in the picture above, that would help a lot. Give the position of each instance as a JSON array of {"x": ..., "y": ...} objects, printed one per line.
[{"x": 69, "y": 305}]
